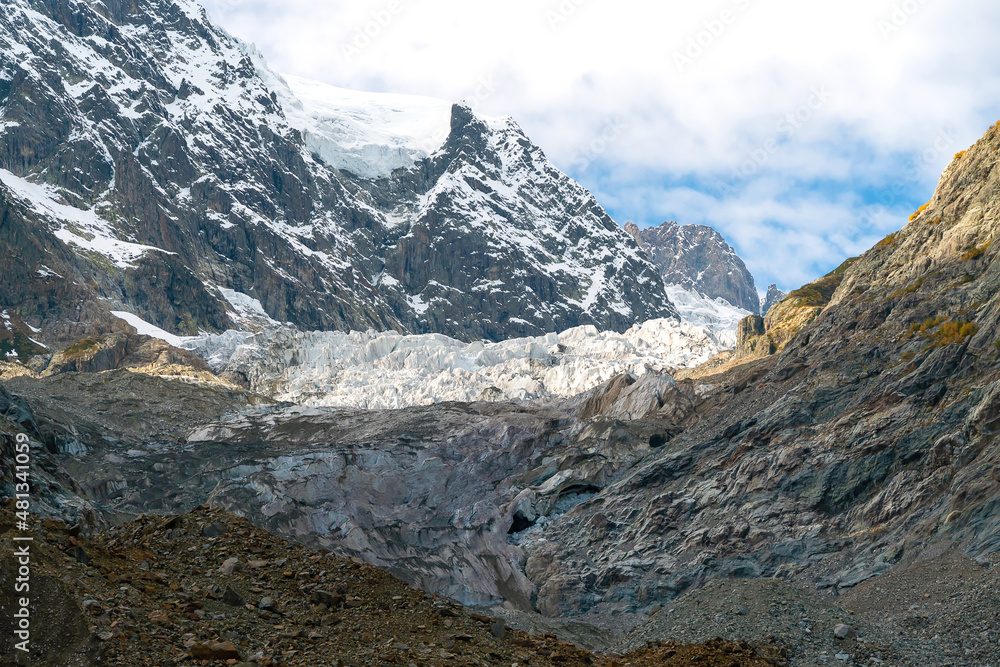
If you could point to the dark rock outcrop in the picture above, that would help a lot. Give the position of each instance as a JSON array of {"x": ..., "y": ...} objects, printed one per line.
[
  {"x": 752, "y": 339},
  {"x": 95, "y": 355},
  {"x": 54, "y": 491},
  {"x": 774, "y": 295},
  {"x": 698, "y": 258}
]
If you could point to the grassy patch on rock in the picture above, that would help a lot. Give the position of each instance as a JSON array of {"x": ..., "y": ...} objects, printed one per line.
[
  {"x": 976, "y": 252},
  {"x": 81, "y": 348},
  {"x": 939, "y": 332}
]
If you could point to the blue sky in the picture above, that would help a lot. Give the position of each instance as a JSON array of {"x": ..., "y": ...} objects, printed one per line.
[{"x": 803, "y": 131}]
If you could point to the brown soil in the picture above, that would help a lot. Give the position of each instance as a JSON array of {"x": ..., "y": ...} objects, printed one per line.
[{"x": 155, "y": 592}]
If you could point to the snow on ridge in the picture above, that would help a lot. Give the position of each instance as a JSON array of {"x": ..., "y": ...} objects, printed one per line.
[
  {"x": 523, "y": 206},
  {"x": 80, "y": 227},
  {"x": 391, "y": 371},
  {"x": 367, "y": 134},
  {"x": 144, "y": 328}
]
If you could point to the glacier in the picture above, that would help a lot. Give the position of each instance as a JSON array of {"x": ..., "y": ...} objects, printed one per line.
[
  {"x": 368, "y": 134},
  {"x": 387, "y": 370},
  {"x": 716, "y": 315}
]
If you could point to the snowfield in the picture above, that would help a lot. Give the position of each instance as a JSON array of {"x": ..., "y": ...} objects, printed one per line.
[
  {"x": 144, "y": 328},
  {"x": 368, "y": 134},
  {"x": 390, "y": 371}
]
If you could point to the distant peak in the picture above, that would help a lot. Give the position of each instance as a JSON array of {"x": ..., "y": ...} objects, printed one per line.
[{"x": 697, "y": 257}]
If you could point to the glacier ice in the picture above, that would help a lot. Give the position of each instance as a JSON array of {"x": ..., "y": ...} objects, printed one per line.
[
  {"x": 368, "y": 134},
  {"x": 388, "y": 370},
  {"x": 717, "y": 315}
]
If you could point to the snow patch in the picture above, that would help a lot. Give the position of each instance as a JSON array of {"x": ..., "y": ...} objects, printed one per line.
[
  {"x": 79, "y": 227},
  {"x": 418, "y": 304},
  {"x": 46, "y": 272},
  {"x": 144, "y": 328}
]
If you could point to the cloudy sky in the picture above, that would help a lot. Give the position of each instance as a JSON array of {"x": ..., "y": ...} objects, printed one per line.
[{"x": 804, "y": 131}]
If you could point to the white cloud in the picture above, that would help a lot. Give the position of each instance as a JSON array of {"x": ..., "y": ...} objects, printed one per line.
[{"x": 893, "y": 90}]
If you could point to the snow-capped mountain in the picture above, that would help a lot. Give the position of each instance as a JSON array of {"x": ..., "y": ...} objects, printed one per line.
[
  {"x": 698, "y": 259},
  {"x": 151, "y": 163}
]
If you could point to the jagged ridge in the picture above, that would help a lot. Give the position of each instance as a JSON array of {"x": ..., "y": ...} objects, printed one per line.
[{"x": 151, "y": 159}]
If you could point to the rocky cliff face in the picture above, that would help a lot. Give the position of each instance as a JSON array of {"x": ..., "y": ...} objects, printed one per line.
[
  {"x": 790, "y": 315},
  {"x": 697, "y": 258},
  {"x": 152, "y": 162},
  {"x": 869, "y": 441}
]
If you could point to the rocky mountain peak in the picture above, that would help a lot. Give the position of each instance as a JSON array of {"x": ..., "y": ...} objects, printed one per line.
[
  {"x": 175, "y": 176},
  {"x": 773, "y": 296},
  {"x": 955, "y": 229},
  {"x": 697, "y": 257}
]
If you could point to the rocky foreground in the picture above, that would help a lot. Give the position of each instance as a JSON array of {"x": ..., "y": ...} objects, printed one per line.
[{"x": 209, "y": 588}]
